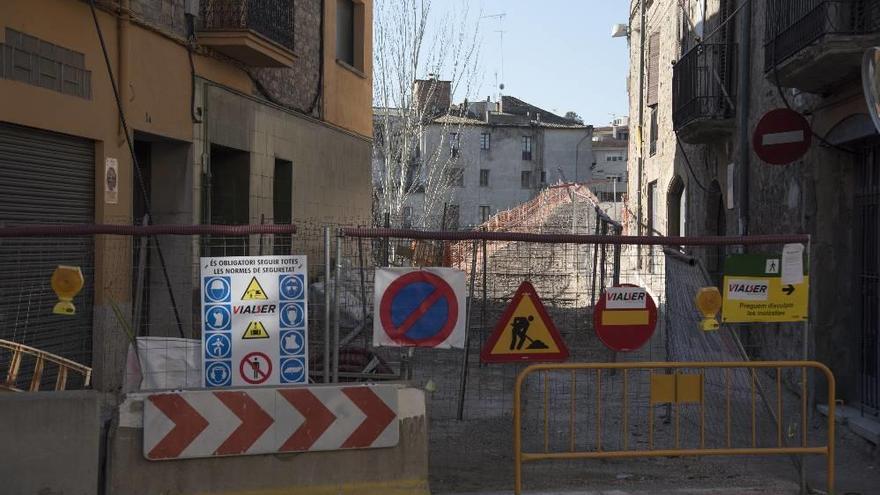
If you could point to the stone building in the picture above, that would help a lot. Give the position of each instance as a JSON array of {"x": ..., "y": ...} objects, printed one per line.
[
  {"x": 702, "y": 75},
  {"x": 239, "y": 112}
]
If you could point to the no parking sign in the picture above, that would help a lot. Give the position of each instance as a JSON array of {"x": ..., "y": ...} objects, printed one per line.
[{"x": 419, "y": 307}]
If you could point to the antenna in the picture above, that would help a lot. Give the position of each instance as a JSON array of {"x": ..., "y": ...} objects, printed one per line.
[{"x": 500, "y": 32}]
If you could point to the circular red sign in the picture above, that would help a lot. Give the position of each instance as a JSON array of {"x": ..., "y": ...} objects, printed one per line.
[
  {"x": 413, "y": 316},
  {"x": 615, "y": 329},
  {"x": 255, "y": 368},
  {"x": 782, "y": 136}
]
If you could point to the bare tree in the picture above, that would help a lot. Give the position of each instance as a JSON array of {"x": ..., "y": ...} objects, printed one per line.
[
  {"x": 409, "y": 43},
  {"x": 574, "y": 116}
]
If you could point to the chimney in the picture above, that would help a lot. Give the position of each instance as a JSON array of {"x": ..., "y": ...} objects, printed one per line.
[{"x": 432, "y": 94}]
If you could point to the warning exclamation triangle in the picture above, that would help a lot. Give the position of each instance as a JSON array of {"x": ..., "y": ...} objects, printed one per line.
[
  {"x": 254, "y": 291},
  {"x": 255, "y": 330}
]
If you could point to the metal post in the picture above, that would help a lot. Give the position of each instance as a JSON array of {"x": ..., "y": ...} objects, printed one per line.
[
  {"x": 617, "y": 247},
  {"x": 602, "y": 262},
  {"x": 595, "y": 260},
  {"x": 805, "y": 355},
  {"x": 144, "y": 243},
  {"x": 462, "y": 387},
  {"x": 363, "y": 282},
  {"x": 484, "y": 331},
  {"x": 336, "y": 283},
  {"x": 328, "y": 274}
]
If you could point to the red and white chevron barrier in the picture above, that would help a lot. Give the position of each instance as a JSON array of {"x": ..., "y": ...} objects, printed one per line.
[{"x": 207, "y": 423}]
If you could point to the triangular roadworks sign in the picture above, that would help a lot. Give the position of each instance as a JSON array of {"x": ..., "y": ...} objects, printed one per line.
[
  {"x": 254, "y": 291},
  {"x": 525, "y": 332}
]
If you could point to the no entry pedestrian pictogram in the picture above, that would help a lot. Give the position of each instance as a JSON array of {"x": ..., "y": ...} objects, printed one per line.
[
  {"x": 525, "y": 332},
  {"x": 255, "y": 368},
  {"x": 419, "y": 308},
  {"x": 625, "y": 317}
]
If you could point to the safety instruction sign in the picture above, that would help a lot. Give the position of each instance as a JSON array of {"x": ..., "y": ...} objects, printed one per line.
[
  {"x": 766, "y": 287},
  {"x": 525, "y": 332},
  {"x": 419, "y": 307},
  {"x": 254, "y": 320}
]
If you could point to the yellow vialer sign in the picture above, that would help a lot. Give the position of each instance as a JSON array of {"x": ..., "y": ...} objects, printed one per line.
[
  {"x": 754, "y": 291},
  {"x": 525, "y": 332}
]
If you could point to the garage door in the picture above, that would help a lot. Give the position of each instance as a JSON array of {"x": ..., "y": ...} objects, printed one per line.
[{"x": 45, "y": 178}]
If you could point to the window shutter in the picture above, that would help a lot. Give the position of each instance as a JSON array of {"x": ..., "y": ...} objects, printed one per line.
[{"x": 653, "y": 68}]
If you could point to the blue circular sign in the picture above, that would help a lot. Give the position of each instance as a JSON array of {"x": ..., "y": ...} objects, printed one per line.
[
  {"x": 292, "y": 342},
  {"x": 218, "y": 374},
  {"x": 293, "y": 370},
  {"x": 291, "y": 286},
  {"x": 292, "y": 314},
  {"x": 217, "y": 318},
  {"x": 418, "y": 309},
  {"x": 218, "y": 346},
  {"x": 217, "y": 289}
]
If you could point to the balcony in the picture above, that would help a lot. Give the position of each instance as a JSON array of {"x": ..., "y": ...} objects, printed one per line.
[
  {"x": 258, "y": 33},
  {"x": 814, "y": 45},
  {"x": 704, "y": 92}
]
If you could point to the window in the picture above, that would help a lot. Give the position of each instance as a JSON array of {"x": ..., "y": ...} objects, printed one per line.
[
  {"x": 653, "y": 81},
  {"x": 350, "y": 33},
  {"x": 652, "y": 207},
  {"x": 485, "y": 213},
  {"x": 485, "y": 140},
  {"x": 653, "y": 148},
  {"x": 527, "y": 147},
  {"x": 406, "y": 221},
  {"x": 543, "y": 177},
  {"x": 451, "y": 217},
  {"x": 456, "y": 176},
  {"x": 525, "y": 179},
  {"x": 484, "y": 177},
  {"x": 454, "y": 143},
  {"x": 675, "y": 207}
]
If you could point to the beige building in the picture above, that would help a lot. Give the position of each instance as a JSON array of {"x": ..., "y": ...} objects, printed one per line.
[
  {"x": 610, "y": 152},
  {"x": 239, "y": 112},
  {"x": 703, "y": 74}
]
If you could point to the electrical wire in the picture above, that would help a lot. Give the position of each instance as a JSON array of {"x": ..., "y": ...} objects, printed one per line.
[
  {"x": 688, "y": 162},
  {"x": 136, "y": 165}
]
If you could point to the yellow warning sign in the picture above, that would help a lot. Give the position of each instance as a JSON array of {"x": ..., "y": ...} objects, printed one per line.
[
  {"x": 254, "y": 291},
  {"x": 755, "y": 290},
  {"x": 525, "y": 332},
  {"x": 255, "y": 330}
]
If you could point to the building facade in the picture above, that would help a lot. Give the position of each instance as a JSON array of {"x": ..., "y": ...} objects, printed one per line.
[
  {"x": 501, "y": 154},
  {"x": 609, "y": 168},
  {"x": 238, "y": 112},
  {"x": 703, "y": 74}
]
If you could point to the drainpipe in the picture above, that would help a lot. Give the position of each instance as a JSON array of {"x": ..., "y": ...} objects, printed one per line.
[
  {"x": 745, "y": 48},
  {"x": 641, "y": 161},
  {"x": 122, "y": 43}
]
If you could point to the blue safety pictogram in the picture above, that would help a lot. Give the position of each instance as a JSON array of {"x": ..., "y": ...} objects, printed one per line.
[
  {"x": 218, "y": 374},
  {"x": 293, "y": 370},
  {"x": 293, "y": 314},
  {"x": 292, "y": 342},
  {"x": 218, "y": 346},
  {"x": 217, "y": 318},
  {"x": 217, "y": 290},
  {"x": 291, "y": 286}
]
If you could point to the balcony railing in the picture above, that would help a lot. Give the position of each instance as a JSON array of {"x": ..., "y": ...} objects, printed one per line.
[
  {"x": 793, "y": 25},
  {"x": 272, "y": 19},
  {"x": 703, "y": 85}
]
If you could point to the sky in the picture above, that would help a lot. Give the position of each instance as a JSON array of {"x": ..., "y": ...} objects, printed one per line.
[{"x": 558, "y": 54}]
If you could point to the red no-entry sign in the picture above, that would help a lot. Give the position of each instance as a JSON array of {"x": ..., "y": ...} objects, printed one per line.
[
  {"x": 782, "y": 136},
  {"x": 625, "y": 317}
]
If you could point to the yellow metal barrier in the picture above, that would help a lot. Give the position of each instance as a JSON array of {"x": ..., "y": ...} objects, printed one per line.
[
  {"x": 674, "y": 389},
  {"x": 41, "y": 358}
]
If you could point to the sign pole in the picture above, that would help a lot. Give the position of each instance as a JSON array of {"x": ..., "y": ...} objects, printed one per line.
[
  {"x": 467, "y": 335},
  {"x": 336, "y": 309},
  {"x": 328, "y": 273},
  {"x": 806, "y": 357}
]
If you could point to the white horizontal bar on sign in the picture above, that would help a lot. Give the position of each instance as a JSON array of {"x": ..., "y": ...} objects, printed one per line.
[{"x": 787, "y": 137}]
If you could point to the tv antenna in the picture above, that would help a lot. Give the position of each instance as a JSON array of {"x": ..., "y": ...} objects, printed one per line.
[{"x": 500, "y": 31}]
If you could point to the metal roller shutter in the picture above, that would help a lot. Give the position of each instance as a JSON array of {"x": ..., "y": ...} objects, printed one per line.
[{"x": 45, "y": 178}]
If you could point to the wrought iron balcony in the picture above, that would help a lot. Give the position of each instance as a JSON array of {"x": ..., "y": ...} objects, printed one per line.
[
  {"x": 814, "y": 45},
  {"x": 704, "y": 92},
  {"x": 258, "y": 33}
]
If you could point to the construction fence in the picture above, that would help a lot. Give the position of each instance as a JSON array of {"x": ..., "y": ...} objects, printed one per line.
[{"x": 142, "y": 295}]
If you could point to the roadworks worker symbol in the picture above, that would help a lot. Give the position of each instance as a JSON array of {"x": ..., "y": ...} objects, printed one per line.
[
  {"x": 525, "y": 332},
  {"x": 254, "y": 291},
  {"x": 255, "y": 330}
]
